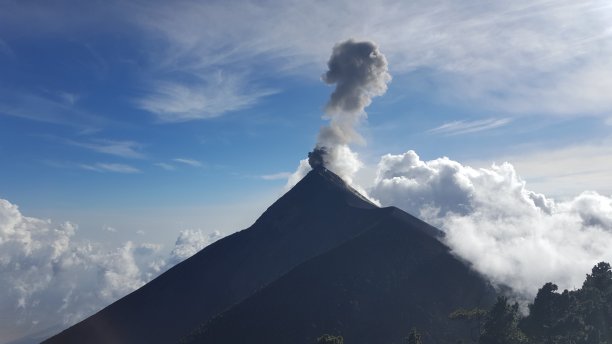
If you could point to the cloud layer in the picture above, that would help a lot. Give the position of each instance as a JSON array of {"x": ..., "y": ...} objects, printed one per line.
[
  {"x": 514, "y": 57},
  {"x": 514, "y": 236},
  {"x": 203, "y": 59},
  {"x": 49, "y": 279}
]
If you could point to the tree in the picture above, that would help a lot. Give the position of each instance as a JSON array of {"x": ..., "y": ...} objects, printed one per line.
[
  {"x": 329, "y": 339},
  {"x": 474, "y": 318},
  {"x": 582, "y": 316},
  {"x": 600, "y": 278},
  {"x": 414, "y": 337},
  {"x": 501, "y": 326},
  {"x": 595, "y": 304},
  {"x": 543, "y": 313}
]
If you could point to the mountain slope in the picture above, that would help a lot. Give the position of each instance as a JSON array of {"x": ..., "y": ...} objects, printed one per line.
[
  {"x": 372, "y": 289},
  {"x": 319, "y": 213}
]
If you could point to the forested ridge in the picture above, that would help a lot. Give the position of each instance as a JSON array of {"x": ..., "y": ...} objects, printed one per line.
[{"x": 581, "y": 316}]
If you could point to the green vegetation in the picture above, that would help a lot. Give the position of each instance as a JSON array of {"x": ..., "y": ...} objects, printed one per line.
[
  {"x": 473, "y": 318},
  {"x": 414, "y": 337},
  {"x": 579, "y": 316},
  {"x": 329, "y": 339},
  {"x": 501, "y": 326},
  {"x": 582, "y": 316}
]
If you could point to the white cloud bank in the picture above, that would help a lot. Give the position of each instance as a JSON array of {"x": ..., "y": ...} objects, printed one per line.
[
  {"x": 509, "y": 233},
  {"x": 512, "y": 235},
  {"x": 49, "y": 279}
]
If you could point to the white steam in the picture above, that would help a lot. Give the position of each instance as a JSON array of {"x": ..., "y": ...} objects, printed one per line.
[
  {"x": 512, "y": 235},
  {"x": 49, "y": 279}
]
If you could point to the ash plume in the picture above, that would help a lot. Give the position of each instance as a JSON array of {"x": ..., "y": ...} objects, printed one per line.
[
  {"x": 359, "y": 71},
  {"x": 315, "y": 158}
]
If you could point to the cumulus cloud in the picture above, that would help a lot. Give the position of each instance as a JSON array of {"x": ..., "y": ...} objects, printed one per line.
[
  {"x": 190, "y": 242},
  {"x": 50, "y": 279},
  {"x": 511, "y": 234}
]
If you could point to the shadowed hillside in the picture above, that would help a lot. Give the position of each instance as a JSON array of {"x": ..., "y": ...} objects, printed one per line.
[
  {"x": 324, "y": 244},
  {"x": 372, "y": 289}
]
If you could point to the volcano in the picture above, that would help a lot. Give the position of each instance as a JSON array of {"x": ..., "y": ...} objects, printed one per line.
[{"x": 321, "y": 259}]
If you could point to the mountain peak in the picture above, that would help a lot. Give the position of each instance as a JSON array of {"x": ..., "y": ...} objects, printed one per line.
[
  {"x": 321, "y": 214},
  {"x": 327, "y": 175},
  {"x": 321, "y": 184}
]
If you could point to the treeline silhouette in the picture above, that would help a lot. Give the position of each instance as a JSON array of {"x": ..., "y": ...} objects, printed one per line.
[{"x": 581, "y": 316}]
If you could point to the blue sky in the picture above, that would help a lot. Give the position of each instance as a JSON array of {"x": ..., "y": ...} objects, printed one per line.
[
  {"x": 137, "y": 120},
  {"x": 104, "y": 104}
]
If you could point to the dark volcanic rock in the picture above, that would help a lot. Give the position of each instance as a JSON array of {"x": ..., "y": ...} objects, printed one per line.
[
  {"x": 321, "y": 259},
  {"x": 372, "y": 289},
  {"x": 318, "y": 214}
]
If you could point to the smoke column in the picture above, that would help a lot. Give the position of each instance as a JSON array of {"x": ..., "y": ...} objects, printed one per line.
[{"x": 359, "y": 71}]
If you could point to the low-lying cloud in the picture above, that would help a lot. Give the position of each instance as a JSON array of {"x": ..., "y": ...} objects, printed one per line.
[
  {"x": 49, "y": 279},
  {"x": 511, "y": 234}
]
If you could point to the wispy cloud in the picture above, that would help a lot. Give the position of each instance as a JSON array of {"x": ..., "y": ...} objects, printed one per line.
[
  {"x": 110, "y": 167},
  {"x": 521, "y": 56},
  {"x": 564, "y": 171},
  {"x": 124, "y": 149},
  {"x": 538, "y": 56},
  {"x": 207, "y": 98},
  {"x": 52, "y": 108},
  {"x": 69, "y": 98},
  {"x": 190, "y": 162},
  {"x": 165, "y": 166},
  {"x": 467, "y": 127},
  {"x": 276, "y": 176},
  {"x": 5, "y": 49}
]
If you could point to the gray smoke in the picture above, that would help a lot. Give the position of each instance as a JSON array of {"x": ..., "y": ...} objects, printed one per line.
[
  {"x": 359, "y": 71},
  {"x": 315, "y": 158}
]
